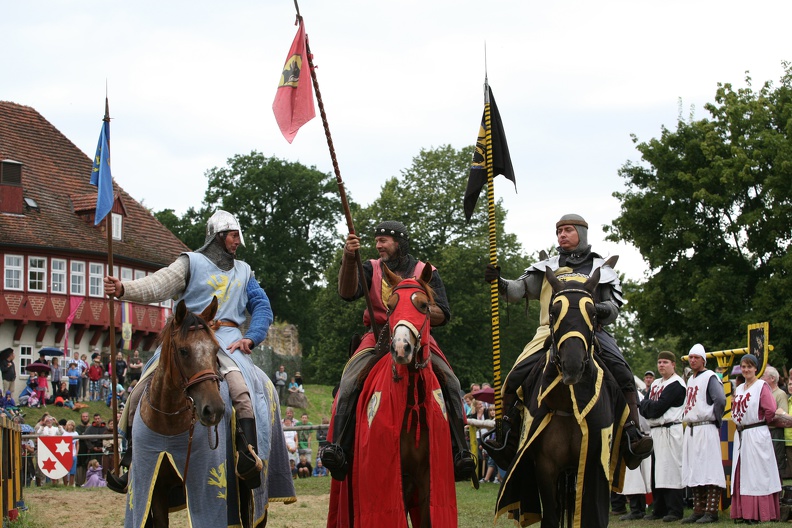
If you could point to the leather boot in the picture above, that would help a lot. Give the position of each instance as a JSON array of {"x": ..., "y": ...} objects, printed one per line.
[
  {"x": 464, "y": 462},
  {"x": 248, "y": 464},
  {"x": 639, "y": 445},
  {"x": 504, "y": 449},
  {"x": 337, "y": 456},
  {"x": 120, "y": 483}
]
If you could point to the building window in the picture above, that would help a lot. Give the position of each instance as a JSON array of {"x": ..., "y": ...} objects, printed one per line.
[
  {"x": 77, "y": 277},
  {"x": 58, "y": 284},
  {"x": 13, "y": 272},
  {"x": 25, "y": 356},
  {"x": 37, "y": 274},
  {"x": 118, "y": 223},
  {"x": 126, "y": 274},
  {"x": 139, "y": 274},
  {"x": 95, "y": 276}
]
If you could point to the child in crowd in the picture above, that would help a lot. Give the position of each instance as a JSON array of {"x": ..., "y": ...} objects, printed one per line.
[
  {"x": 304, "y": 469},
  {"x": 105, "y": 388},
  {"x": 93, "y": 476},
  {"x": 41, "y": 388}
]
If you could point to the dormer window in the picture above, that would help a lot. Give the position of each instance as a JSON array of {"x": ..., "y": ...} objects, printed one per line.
[
  {"x": 10, "y": 173},
  {"x": 118, "y": 224}
]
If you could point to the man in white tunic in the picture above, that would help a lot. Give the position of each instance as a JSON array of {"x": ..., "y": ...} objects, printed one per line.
[
  {"x": 663, "y": 410},
  {"x": 702, "y": 467}
]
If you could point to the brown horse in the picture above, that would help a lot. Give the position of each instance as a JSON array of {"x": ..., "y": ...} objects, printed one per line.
[
  {"x": 564, "y": 467},
  {"x": 184, "y": 389}
]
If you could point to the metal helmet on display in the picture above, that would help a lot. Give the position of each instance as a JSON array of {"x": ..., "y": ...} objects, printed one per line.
[{"x": 219, "y": 222}]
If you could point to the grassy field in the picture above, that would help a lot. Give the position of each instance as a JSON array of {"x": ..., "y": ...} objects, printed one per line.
[{"x": 101, "y": 508}]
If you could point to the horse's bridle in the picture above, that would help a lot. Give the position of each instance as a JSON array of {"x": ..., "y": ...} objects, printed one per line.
[
  {"x": 587, "y": 297},
  {"x": 418, "y": 332},
  {"x": 195, "y": 379}
]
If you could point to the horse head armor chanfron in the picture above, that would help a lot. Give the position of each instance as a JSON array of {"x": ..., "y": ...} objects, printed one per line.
[
  {"x": 572, "y": 324},
  {"x": 408, "y": 322}
]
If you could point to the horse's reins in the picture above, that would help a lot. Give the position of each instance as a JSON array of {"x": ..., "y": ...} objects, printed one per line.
[
  {"x": 553, "y": 326},
  {"x": 195, "y": 379}
]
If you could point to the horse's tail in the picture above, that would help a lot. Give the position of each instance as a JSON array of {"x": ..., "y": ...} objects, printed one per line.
[{"x": 566, "y": 498}]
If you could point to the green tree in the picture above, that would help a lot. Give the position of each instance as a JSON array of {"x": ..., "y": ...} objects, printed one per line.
[
  {"x": 710, "y": 209},
  {"x": 190, "y": 228},
  {"x": 289, "y": 213}
]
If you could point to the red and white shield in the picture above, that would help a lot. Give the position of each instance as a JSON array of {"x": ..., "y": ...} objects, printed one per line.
[{"x": 55, "y": 455}]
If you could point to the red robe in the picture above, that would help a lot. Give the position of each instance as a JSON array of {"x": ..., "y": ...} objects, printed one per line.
[{"x": 372, "y": 493}]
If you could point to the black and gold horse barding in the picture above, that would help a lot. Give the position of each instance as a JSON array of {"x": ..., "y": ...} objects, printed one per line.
[{"x": 568, "y": 457}]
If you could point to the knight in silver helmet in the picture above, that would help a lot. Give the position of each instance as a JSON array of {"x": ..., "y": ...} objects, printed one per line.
[
  {"x": 574, "y": 257},
  {"x": 194, "y": 277}
]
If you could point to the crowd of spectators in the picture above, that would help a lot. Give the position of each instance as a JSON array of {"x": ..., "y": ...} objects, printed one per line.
[{"x": 92, "y": 457}]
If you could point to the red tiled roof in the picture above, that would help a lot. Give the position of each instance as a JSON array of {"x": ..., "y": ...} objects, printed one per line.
[{"x": 56, "y": 175}]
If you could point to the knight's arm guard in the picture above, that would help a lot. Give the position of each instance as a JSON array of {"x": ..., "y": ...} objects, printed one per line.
[
  {"x": 348, "y": 283},
  {"x": 607, "y": 308},
  {"x": 529, "y": 287},
  {"x": 717, "y": 397},
  {"x": 166, "y": 283},
  {"x": 258, "y": 306}
]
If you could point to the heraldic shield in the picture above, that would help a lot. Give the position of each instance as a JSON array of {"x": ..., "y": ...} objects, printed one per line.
[{"x": 55, "y": 456}]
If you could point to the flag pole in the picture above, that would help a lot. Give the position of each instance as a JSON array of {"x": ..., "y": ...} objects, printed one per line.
[
  {"x": 339, "y": 181},
  {"x": 111, "y": 309},
  {"x": 493, "y": 259}
]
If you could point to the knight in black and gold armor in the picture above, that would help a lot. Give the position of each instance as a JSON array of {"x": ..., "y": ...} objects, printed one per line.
[
  {"x": 393, "y": 245},
  {"x": 574, "y": 258}
]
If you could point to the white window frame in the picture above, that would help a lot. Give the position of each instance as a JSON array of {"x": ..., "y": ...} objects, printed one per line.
[
  {"x": 139, "y": 274},
  {"x": 126, "y": 274},
  {"x": 96, "y": 272},
  {"x": 118, "y": 226},
  {"x": 37, "y": 276},
  {"x": 58, "y": 276},
  {"x": 77, "y": 277},
  {"x": 14, "y": 271},
  {"x": 25, "y": 356}
]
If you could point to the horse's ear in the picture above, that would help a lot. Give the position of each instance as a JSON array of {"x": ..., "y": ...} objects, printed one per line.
[
  {"x": 552, "y": 279},
  {"x": 592, "y": 282},
  {"x": 612, "y": 260},
  {"x": 391, "y": 278},
  {"x": 426, "y": 273},
  {"x": 210, "y": 311},
  {"x": 181, "y": 311}
]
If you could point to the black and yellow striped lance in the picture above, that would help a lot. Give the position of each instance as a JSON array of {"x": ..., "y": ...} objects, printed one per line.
[{"x": 490, "y": 159}]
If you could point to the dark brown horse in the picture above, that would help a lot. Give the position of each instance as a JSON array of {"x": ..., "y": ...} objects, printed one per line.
[
  {"x": 565, "y": 464},
  {"x": 184, "y": 389}
]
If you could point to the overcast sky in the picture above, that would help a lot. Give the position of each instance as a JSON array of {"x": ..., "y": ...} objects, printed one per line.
[{"x": 191, "y": 83}]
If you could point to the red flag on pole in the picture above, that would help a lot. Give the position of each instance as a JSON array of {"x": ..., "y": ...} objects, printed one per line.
[{"x": 294, "y": 104}]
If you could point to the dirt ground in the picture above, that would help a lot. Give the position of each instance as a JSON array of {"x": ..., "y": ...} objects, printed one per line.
[{"x": 101, "y": 508}]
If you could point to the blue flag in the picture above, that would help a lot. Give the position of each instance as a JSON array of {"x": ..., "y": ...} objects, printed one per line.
[{"x": 101, "y": 176}]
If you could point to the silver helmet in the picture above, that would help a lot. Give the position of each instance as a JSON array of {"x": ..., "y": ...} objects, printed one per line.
[{"x": 221, "y": 221}]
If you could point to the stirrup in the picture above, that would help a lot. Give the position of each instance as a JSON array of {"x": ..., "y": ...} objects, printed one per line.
[
  {"x": 334, "y": 459},
  {"x": 118, "y": 484},
  {"x": 464, "y": 466}
]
